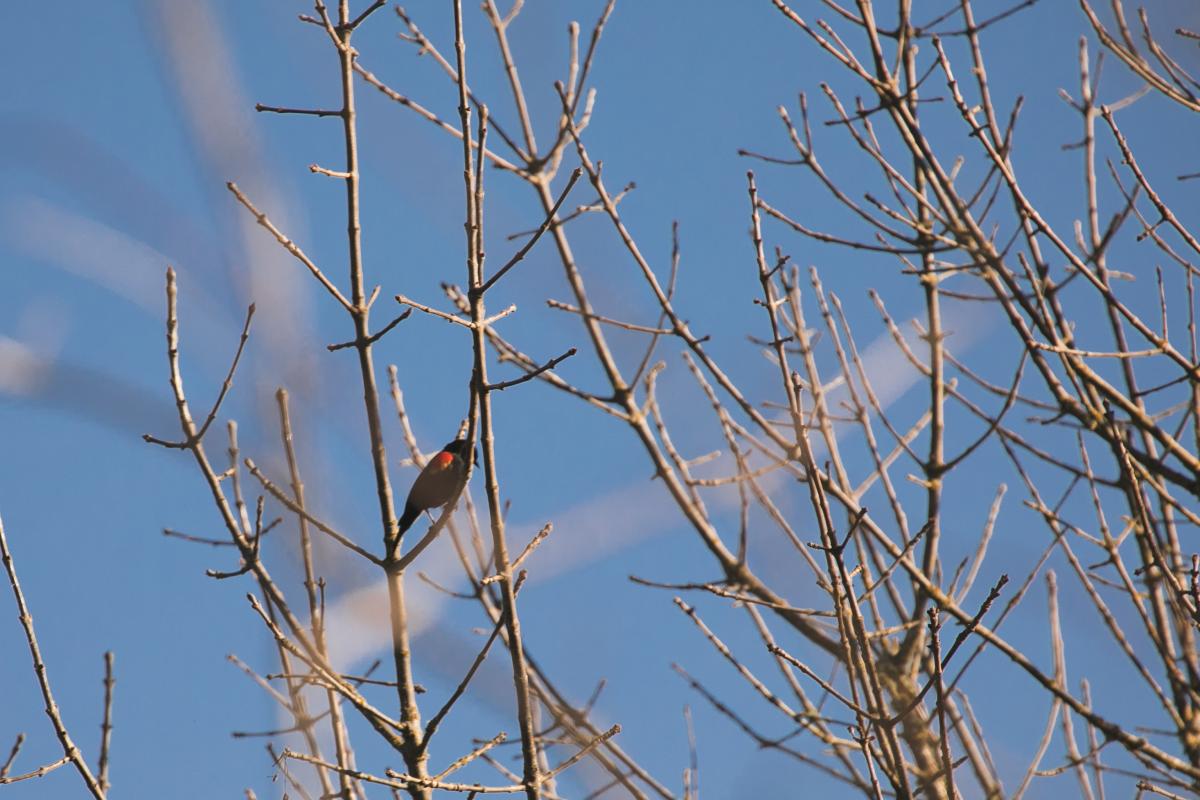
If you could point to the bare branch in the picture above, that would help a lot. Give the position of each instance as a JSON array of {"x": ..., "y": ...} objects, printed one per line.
[{"x": 70, "y": 751}]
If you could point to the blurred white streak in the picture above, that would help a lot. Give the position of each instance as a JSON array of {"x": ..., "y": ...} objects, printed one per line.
[
  {"x": 358, "y": 622},
  {"x": 87, "y": 249},
  {"x": 888, "y": 369},
  {"x": 625, "y": 516},
  {"x": 106, "y": 257},
  {"x": 358, "y": 625},
  {"x": 34, "y": 374},
  {"x": 221, "y": 118},
  {"x": 45, "y": 321},
  {"x": 207, "y": 83},
  {"x": 604, "y": 524},
  {"x": 22, "y": 372}
]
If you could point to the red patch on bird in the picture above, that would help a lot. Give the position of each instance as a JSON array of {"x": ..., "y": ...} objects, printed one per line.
[{"x": 444, "y": 459}]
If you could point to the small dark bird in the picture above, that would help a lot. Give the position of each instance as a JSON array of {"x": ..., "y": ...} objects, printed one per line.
[{"x": 436, "y": 484}]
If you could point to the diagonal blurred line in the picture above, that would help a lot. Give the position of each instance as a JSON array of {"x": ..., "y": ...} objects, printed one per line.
[
  {"x": 80, "y": 390},
  {"x": 220, "y": 119},
  {"x": 102, "y": 184},
  {"x": 91, "y": 250},
  {"x": 625, "y": 516},
  {"x": 610, "y": 523}
]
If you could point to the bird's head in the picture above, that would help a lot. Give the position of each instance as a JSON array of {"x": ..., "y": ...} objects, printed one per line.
[{"x": 459, "y": 448}]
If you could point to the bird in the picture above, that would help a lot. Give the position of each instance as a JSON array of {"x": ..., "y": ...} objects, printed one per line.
[{"x": 437, "y": 483}]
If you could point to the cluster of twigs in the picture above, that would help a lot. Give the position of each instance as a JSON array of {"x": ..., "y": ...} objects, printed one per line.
[
  {"x": 304, "y": 659},
  {"x": 912, "y": 726},
  {"x": 874, "y": 675}
]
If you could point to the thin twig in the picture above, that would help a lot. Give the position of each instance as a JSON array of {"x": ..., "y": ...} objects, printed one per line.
[{"x": 106, "y": 725}]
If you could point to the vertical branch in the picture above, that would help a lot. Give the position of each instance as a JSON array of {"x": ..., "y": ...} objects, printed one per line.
[
  {"x": 934, "y": 336},
  {"x": 106, "y": 723},
  {"x": 315, "y": 615},
  {"x": 935, "y": 649},
  {"x": 415, "y": 756},
  {"x": 310, "y": 584},
  {"x": 856, "y": 651},
  {"x": 771, "y": 304},
  {"x": 481, "y": 396},
  {"x": 296, "y": 703},
  {"x": 360, "y": 311},
  {"x": 1093, "y": 743},
  {"x": 1060, "y": 676}
]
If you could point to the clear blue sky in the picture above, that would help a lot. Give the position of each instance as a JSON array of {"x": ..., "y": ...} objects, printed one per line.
[{"x": 121, "y": 123}]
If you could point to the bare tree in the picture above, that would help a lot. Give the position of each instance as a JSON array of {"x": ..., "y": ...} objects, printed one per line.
[
  {"x": 874, "y": 681},
  {"x": 888, "y": 590},
  {"x": 303, "y": 655}
]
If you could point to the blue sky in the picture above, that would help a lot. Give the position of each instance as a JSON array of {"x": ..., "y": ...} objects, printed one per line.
[{"x": 121, "y": 125}]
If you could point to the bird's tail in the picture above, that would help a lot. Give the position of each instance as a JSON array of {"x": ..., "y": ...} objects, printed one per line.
[{"x": 411, "y": 512}]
